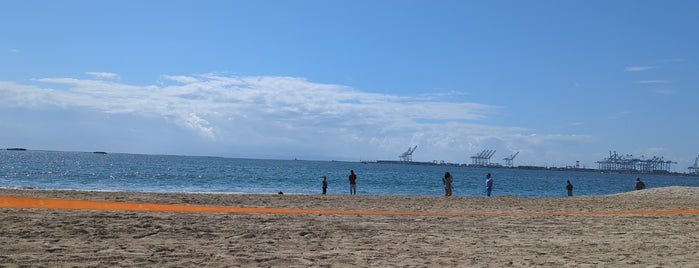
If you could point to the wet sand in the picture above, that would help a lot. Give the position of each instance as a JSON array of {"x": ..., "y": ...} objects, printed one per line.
[{"x": 455, "y": 231}]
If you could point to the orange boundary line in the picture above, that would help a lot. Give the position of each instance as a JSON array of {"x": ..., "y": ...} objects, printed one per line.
[{"x": 71, "y": 204}]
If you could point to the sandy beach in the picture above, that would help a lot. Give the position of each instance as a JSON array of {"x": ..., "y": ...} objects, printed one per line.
[{"x": 504, "y": 231}]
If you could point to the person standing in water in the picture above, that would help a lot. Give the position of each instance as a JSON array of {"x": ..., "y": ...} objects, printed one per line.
[
  {"x": 488, "y": 184},
  {"x": 569, "y": 187},
  {"x": 447, "y": 180},
  {"x": 353, "y": 183},
  {"x": 325, "y": 185}
]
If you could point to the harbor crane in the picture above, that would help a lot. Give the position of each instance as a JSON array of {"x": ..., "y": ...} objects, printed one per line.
[
  {"x": 483, "y": 158},
  {"x": 626, "y": 163},
  {"x": 695, "y": 169},
  {"x": 407, "y": 156},
  {"x": 508, "y": 160}
]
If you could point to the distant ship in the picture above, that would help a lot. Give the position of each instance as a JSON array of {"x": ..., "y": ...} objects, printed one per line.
[
  {"x": 99, "y": 152},
  {"x": 16, "y": 149}
]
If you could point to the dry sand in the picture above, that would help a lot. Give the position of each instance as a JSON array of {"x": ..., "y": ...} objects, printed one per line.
[{"x": 532, "y": 232}]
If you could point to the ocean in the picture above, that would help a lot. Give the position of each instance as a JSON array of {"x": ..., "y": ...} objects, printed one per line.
[{"x": 196, "y": 174}]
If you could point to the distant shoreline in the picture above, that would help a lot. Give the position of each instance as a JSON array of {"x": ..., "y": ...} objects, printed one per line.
[
  {"x": 569, "y": 169},
  {"x": 418, "y": 163}
]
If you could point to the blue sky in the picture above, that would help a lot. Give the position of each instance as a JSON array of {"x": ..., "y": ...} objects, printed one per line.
[{"x": 558, "y": 81}]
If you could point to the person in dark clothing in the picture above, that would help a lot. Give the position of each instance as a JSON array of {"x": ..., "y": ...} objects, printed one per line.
[
  {"x": 353, "y": 183},
  {"x": 488, "y": 185},
  {"x": 447, "y": 180},
  {"x": 569, "y": 187},
  {"x": 325, "y": 185},
  {"x": 639, "y": 185}
]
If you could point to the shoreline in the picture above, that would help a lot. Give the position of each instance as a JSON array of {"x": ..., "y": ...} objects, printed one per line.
[
  {"x": 655, "y": 198},
  {"x": 518, "y": 238},
  {"x": 30, "y": 189}
]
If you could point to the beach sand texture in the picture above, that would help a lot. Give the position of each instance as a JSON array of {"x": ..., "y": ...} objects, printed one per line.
[{"x": 649, "y": 228}]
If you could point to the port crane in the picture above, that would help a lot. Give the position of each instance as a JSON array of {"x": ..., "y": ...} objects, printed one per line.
[
  {"x": 407, "y": 156},
  {"x": 483, "y": 158},
  {"x": 695, "y": 169},
  {"x": 508, "y": 160}
]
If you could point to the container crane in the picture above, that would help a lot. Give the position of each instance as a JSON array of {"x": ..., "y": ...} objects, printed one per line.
[
  {"x": 695, "y": 169},
  {"x": 508, "y": 160},
  {"x": 407, "y": 156}
]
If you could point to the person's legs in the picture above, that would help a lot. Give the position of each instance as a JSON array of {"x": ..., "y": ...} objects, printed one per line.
[{"x": 489, "y": 190}]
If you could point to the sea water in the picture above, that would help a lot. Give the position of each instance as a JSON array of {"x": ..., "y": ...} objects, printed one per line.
[{"x": 196, "y": 174}]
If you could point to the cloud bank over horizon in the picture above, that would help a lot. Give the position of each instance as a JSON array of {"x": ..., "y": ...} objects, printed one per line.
[{"x": 276, "y": 117}]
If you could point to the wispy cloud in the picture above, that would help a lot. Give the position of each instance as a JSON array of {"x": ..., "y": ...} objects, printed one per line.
[
  {"x": 653, "y": 82},
  {"x": 103, "y": 75},
  {"x": 664, "y": 91},
  {"x": 673, "y": 60},
  {"x": 638, "y": 68},
  {"x": 285, "y": 112},
  {"x": 181, "y": 78},
  {"x": 15, "y": 50}
]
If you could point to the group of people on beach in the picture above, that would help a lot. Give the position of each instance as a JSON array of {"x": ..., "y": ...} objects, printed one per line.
[
  {"x": 448, "y": 181},
  {"x": 352, "y": 181},
  {"x": 639, "y": 186}
]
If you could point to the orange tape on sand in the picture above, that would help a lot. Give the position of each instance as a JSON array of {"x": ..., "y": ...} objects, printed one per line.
[{"x": 71, "y": 204}]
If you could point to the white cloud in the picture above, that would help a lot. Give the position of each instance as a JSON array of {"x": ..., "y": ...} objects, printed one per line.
[
  {"x": 181, "y": 78},
  {"x": 289, "y": 113},
  {"x": 653, "y": 82},
  {"x": 638, "y": 68},
  {"x": 103, "y": 75},
  {"x": 14, "y": 50}
]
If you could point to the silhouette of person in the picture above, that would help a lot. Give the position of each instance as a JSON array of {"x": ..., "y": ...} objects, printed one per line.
[
  {"x": 569, "y": 187},
  {"x": 447, "y": 180},
  {"x": 353, "y": 183},
  {"x": 325, "y": 185},
  {"x": 488, "y": 184},
  {"x": 639, "y": 185}
]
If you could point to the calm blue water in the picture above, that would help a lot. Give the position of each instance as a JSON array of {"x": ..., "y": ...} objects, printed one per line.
[{"x": 160, "y": 173}]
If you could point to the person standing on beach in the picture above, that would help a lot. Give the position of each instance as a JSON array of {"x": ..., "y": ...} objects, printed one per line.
[
  {"x": 325, "y": 185},
  {"x": 569, "y": 187},
  {"x": 447, "y": 180},
  {"x": 639, "y": 185},
  {"x": 353, "y": 183},
  {"x": 488, "y": 184}
]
